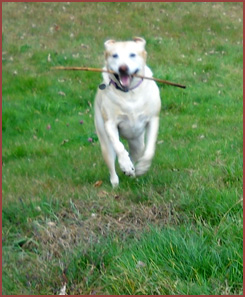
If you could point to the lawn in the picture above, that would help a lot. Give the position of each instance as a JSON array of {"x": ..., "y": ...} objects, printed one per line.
[{"x": 176, "y": 230}]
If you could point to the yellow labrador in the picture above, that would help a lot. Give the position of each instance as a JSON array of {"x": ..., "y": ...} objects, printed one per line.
[{"x": 127, "y": 106}]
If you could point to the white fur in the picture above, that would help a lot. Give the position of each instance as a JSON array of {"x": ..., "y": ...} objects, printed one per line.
[{"x": 130, "y": 114}]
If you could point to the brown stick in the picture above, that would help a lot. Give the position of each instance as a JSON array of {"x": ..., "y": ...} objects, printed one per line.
[{"x": 112, "y": 72}]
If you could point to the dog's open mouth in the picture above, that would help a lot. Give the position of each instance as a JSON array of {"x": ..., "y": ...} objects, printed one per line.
[{"x": 124, "y": 79}]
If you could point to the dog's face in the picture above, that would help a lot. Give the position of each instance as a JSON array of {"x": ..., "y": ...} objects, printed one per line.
[{"x": 125, "y": 58}]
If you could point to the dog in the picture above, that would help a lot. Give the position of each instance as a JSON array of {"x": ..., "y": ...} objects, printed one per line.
[{"x": 128, "y": 107}]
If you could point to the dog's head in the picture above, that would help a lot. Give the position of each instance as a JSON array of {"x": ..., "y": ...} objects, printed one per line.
[{"x": 125, "y": 59}]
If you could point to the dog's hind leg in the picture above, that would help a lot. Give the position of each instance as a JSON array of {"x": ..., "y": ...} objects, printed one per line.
[
  {"x": 136, "y": 147},
  {"x": 144, "y": 162}
]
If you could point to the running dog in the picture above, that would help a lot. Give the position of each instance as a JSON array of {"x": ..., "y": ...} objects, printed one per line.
[{"x": 127, "y": 107}]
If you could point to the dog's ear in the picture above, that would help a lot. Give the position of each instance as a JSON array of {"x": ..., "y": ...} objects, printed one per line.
[
  {"x": 108, "y": 43},
  {"x": 140, "y": 40}
]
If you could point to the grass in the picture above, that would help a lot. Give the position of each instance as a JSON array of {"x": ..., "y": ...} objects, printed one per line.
[{"x": 176, "y": 230}]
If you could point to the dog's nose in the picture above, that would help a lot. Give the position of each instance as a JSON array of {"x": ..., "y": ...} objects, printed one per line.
[{"x": 123, "y": 69}]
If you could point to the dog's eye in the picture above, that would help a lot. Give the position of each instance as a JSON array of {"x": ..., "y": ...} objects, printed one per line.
[
  {"x": 132, "y": 55},
  {"x": 115, "y": 56}
]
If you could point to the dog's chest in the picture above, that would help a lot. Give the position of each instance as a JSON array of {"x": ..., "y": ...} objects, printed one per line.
[{"x": 132, "y": 125}]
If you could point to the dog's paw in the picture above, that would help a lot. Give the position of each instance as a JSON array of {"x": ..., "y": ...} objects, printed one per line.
[
  {"x": 114, "y": 181},
  {"x": 142, "y": 166},
  {"x": 126, "y": 165}
]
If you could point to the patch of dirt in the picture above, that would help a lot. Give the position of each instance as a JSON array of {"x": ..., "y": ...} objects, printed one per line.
[{"x": 82, "y": 226}]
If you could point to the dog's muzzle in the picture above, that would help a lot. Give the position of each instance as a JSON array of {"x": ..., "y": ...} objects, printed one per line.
[{"x": 124, "y": 78}]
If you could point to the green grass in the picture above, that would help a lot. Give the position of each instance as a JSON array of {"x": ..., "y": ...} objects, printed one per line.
[{"x": 176, "y": 230}]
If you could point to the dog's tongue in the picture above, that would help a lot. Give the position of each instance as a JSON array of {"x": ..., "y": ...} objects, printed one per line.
[{"x": 125, "y": 80}]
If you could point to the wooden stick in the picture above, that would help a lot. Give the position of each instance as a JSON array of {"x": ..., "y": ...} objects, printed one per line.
[{"x": 112, "y": 72}]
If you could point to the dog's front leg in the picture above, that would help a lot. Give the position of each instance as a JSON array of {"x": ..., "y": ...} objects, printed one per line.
[
  {"x": 124, "y": 161},
  {"x": 144, "y": 162}
]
